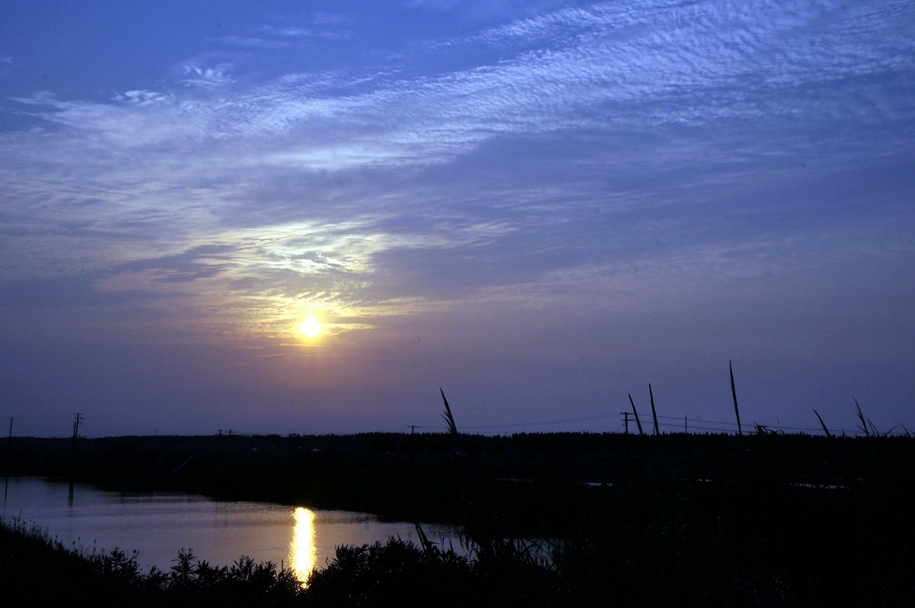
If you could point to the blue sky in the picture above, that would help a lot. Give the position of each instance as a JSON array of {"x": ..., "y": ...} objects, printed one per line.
[{"x": 538, "y": 206}]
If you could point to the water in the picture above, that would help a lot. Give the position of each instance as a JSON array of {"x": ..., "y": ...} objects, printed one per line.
[{"x": 158, "y": 525}]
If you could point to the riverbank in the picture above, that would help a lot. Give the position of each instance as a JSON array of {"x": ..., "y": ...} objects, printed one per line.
[
  {"x": 535, "y": 478},
  {"x": 714, "y": 520},
  {"x": 38, "y": 571}
]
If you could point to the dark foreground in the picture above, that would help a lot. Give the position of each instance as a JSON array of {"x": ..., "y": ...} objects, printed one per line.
[{"x": 631, "y": 521}]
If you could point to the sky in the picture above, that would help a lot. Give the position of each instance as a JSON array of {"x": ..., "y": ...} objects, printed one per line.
[{"x": 539, "y": 207}]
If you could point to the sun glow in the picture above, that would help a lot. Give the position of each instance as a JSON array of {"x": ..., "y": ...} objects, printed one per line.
[{"x": 310, "y": 328}]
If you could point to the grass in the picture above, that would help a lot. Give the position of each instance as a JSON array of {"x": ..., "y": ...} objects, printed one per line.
[
  {"x": 822, "y": 424},
  {"x": 37, "y": 570},
  {"x": 734, "y": 395},
  {"x": 635, "y": 414},
  {"x": 654, "y": 414},
  {"x": 449, "y": 419}
]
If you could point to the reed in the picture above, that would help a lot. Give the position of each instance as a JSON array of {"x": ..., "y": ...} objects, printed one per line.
[
  {"x": 654, "y": 414},
  {"x": 38, "y": 570},
  {"x": 734, "y": 395},
  {"x": 822, "y": 424},
  {"x": 864, "y": 421},
  {"x": 449, "y": 419},
  {"x": 636, "y": 414}
]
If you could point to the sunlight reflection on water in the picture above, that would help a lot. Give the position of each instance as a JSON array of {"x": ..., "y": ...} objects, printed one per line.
[
  {"x": 302, "y": 549},
  {"x": 158, "y": 525}
]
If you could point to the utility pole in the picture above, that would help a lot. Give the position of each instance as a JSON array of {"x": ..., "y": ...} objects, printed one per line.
[
  {"x": 412, "y": 428},
  {"x": 625, "y": 416},
  {"x": 685, "y": 425},
  {"x": 78, "y": 418}
]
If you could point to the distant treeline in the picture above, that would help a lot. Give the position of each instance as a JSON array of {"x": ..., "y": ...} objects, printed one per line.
[{"x": 583, "y": 457}]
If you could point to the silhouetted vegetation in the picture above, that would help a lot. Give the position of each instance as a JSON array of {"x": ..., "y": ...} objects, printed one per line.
[
  {"x": 38, "y": 571},
  {"x": 561, "y": 519}
]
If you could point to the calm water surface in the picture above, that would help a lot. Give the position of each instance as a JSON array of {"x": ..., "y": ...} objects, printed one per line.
[{"x": 158, "y": 525}]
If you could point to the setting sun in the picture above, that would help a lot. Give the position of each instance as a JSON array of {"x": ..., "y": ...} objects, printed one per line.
[{"x": 310, "y": 328}]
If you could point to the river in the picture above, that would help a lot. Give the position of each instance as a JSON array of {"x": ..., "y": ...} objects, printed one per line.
[{"x": 157, "y": 525}]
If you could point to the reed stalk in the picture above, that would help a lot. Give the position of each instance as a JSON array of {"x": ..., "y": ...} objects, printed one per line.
[
  {"x": 822, "y": 424},
  {"x": 636, "y": 414},
  {"x": 863, "y": 427},
  {"x": 449, "y": 419},
  {"x": 654, "y": 414},
  {"x": 734, "y": 394}
]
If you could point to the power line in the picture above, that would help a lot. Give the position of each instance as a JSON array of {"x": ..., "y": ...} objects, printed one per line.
[
  {"x": 522, "y": 424},
  {"x": 697, "y": 424},
  {"x": 765, "y": 426}
]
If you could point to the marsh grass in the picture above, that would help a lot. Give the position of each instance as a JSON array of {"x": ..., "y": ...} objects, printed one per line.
[
  {"x": 448, "y": 417},
  {"x": 822, "y": 424},
  {"x": 865, "y": 427},
  {"x": 38, "y": 570},
  {"x": 635, "y": 414},
  {"x": 654, "y": 414},
  {"x": 734, "y": 395}
]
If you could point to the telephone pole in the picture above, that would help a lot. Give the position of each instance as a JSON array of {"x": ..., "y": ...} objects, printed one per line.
[
  {"x": 78, "y": 417},
  {"x": 625, "y": 416}
]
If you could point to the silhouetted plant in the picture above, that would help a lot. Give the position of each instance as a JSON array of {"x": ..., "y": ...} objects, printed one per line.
[
  {"x": 654, "y": 414},
  {"x": 635, "y": 414},
  {"x": 734, "y": 395},
  {"x": 864, "y": 422},
  {"x": 449, "y": 419},
  {"x": 822, "y": 424}
]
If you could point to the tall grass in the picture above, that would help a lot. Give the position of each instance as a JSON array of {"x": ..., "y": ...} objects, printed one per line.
[
  {"x": 734, "y": 395},
  {"x": 822, "y": 424},
  {"x": 449, "y": 419},
  {"x": 868, "y": 427},
  {"x": 635, "y": 413},
  {"x": 654, "y": 414},
  {"x": 36, "y": 570},
  {"x": 864, "y": 421}
]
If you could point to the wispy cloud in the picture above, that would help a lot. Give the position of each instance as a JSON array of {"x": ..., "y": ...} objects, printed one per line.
[
  {"x": 201, "y": 76},
  {"x": 717, "y": 65},
  {"x": 175, "y": 171},
  {"x": 307, "y": 32},
  {"x": 254, "y": 42},
  {"x": 491, "y": 194}
]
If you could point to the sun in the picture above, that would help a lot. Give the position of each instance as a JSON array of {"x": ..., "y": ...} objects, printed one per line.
[{"x": 310, "y": 328}]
